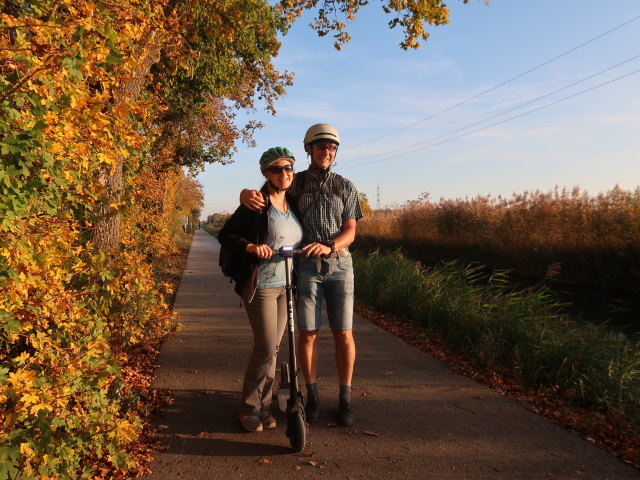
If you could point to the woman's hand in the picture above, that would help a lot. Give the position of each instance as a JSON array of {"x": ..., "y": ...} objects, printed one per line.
[{"x": 260, "y": 251}]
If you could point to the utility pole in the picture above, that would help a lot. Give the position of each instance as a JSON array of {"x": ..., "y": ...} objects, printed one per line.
[{"x": 378, "y": 203}]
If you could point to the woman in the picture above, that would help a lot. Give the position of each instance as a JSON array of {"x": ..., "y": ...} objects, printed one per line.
[{"x": 260, "y": 280}]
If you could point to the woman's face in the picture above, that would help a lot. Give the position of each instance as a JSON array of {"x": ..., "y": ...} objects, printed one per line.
[{"x": 280, "y": 173}]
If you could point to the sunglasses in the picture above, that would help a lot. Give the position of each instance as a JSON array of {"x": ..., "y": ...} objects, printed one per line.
[
  {"x": 326, "y": 146},
  {"x": 279, "y": 169}
]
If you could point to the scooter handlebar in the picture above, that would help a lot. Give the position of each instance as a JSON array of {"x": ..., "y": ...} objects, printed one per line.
[{"x": 289, "y": 252}]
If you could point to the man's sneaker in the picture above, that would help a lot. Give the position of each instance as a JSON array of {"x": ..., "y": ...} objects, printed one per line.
[
  {"x": 251, "y": 423},
  {"x": 346, "y": 417},
  {"x": 268, "y": 422},
  {"x": 312, "y": 408}
]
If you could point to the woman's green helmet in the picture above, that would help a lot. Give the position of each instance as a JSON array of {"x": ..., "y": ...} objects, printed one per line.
[{"x": 273, "y": 155}]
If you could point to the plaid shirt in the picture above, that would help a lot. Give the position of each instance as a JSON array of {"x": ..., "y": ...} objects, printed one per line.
[{"x": 324, "y": 204}]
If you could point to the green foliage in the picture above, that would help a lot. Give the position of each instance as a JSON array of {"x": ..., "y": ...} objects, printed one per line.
[{"x": 224, "y": 60}]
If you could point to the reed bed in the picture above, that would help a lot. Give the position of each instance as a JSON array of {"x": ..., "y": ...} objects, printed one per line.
[
  {"x": 576, "y": 238},
  {"x": 522, "y": 332}
]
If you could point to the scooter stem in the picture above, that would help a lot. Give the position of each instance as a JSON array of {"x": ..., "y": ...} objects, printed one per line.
[{"x": 293, "y": 370}]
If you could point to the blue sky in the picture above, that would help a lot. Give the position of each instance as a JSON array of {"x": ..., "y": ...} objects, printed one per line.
[{"x": 484, "y": 107}]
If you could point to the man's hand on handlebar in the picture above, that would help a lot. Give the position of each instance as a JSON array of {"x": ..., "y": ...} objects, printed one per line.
[
  {"x": 317, "y": 250},
  {"x": 252, "y": 199},
  {"x": 260, "y": 251}
]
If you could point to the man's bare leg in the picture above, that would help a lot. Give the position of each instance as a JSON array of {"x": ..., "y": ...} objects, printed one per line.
[
  {"x": 308, "y": 355},
  {"x": 345, "y": 355}
]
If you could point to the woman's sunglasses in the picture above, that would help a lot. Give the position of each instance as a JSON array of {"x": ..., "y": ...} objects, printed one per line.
[{"x": 279, "y": 169}]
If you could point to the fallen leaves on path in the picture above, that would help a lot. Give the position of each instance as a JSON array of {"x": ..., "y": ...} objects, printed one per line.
[{"x": 611, "y": 433}]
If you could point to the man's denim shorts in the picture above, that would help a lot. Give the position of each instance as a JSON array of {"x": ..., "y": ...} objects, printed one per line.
[{"x": 333, "y": 284}]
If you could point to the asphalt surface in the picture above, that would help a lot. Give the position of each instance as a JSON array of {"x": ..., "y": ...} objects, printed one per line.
[{"x": 416, "y": 417}]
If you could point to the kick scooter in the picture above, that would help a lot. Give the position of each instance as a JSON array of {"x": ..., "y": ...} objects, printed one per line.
[{"x": 296, "y": 419}]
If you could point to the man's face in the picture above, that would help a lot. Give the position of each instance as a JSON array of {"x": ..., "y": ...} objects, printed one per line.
[{"x": 322, "y": 154}]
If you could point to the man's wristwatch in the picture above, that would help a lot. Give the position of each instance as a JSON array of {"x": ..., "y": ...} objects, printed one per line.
[{"x": 332, "y": 245}]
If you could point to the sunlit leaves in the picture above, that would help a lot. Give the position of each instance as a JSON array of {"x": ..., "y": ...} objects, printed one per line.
[
  {"x": 67, "y": 312},
  {"x": 332, "y": 16}
]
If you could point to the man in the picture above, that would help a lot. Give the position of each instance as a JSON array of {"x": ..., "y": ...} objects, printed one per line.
[{"x": 329, "y": 209}]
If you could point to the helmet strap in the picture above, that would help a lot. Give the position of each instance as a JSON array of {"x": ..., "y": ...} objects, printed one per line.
[
  {"x": 277, "y": 189},
  {"x": 322, "y": 171}
]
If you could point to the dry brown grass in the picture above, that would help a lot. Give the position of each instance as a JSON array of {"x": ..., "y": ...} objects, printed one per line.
[{"x": 570, "y": 235}]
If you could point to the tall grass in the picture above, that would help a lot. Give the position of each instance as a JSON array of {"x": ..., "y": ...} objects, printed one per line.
[
  {"x": 578, "y": 238},
  {"x": 521, "y": 332}
]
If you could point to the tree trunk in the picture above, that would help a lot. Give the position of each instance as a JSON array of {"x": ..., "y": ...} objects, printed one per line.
[{"x": 106, "y": 231}]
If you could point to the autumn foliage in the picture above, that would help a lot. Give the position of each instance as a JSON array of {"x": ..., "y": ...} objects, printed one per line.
[{"x": 71, "y": 312}]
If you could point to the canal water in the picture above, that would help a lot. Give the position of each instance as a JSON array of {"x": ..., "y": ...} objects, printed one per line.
[{"x": 619, "y": 310}]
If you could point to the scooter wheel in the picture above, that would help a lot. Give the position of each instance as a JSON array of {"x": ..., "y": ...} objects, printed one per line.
[{"x": 297, "y": 431}]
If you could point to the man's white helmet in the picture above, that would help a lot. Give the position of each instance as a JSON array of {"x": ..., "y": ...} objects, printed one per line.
[{"x": 322, "y": 131}]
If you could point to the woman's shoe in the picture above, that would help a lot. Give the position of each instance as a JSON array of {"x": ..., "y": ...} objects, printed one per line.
[
  {"x": 268, "y": 422},
  {"x": 251, "y": 423}
]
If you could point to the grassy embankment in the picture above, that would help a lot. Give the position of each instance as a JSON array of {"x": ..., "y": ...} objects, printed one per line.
[
  {"x": 521, "y": 333},
  {"x": 212, "y": 229}
]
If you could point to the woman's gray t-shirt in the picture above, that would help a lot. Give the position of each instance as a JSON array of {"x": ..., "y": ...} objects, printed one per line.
[{"x": 284, "y": 231}]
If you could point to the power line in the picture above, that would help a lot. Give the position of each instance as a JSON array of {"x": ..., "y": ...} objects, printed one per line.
[
  {"x": 446, "y": 134},
  {"x": 496, "y": 86},
  {"x": 498, "y": 123}
]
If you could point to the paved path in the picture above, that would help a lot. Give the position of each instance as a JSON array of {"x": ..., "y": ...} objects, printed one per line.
[{"x": 417, "y": 418}]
